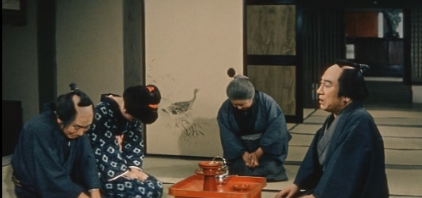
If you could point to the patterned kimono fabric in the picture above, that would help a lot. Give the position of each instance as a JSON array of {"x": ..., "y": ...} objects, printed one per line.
[{"x": 118, "y": 146}]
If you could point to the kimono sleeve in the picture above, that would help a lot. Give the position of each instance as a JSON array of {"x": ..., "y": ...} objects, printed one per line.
[
  {"x": 51, "y": 178},
  {"x": 111, "y": 164},
  {"x": 310, "y": 170},
  {"x": 348, "y": 169},
  {"x": 275, "y": 139},
  {"x": 86, "y": 163},
  {"x": 133, "y": 148}
]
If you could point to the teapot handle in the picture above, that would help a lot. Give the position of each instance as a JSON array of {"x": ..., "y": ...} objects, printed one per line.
[
  {"x": 222, "y": 158},
  {"x": 224, "y": 167}
]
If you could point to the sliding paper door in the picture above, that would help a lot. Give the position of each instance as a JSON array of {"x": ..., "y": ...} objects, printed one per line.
[{"x": 189, "y": 46}]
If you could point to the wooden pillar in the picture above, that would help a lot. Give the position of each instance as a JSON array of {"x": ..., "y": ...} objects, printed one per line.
[{"x": 133, "y": 42}]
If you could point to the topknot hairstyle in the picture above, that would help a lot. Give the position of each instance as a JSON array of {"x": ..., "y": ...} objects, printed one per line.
[
  {"x": 351, "y": 81},
  {"x": 142, "y": 102},
  {"x": 66, "y": 108},
  {"x": 240, "y": 88}
]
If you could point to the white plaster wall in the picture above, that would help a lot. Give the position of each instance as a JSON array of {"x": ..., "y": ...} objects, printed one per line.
[
  {"x": 190, "y": 44},
  {"x": 90, "y": 46}
]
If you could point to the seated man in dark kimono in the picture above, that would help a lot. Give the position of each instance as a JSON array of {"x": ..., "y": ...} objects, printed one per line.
[
  {"x": 53, "y": 157},
  {"x": 116, "y": 138},
  {"x": 253, "y": 132},
  {"x": 346, "y": 156}
]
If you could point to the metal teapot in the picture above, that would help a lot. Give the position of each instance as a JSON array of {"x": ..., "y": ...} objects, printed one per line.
[{"x": 222, "y": 178}]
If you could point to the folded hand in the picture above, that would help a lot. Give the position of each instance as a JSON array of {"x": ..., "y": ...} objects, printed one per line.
[{"x": 135, "y": 173}]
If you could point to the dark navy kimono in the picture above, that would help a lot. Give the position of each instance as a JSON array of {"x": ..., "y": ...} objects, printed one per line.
[
  {"x": 50, "y": 165},
  {"x": 354, "y": 166},
  {"x": 263, "y": 125}
]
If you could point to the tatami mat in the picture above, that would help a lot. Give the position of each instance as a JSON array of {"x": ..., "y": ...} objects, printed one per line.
[
  {"x": 401, "y": 130},
  {"x": 390, "y": 142},
  {"x": 405, "y": 182},
  {"x": 403, "y": 157},
  {"x": 410, "y": 113},
  {"x": 401, "y": 182},
  {"x": 400, "y": 143},
  {"x": 386, "y": 121},
  {"x": 301, "y": 140},
  {"x": 306, "y": 128},
  {"x": 392, "y": 157},
  {"x": 170, "y": 171},
  {"x": 394, "y": 121},
  {"x": 404, "y": 117},
  {"x": 404, "y": 132},
  {"x": 386, "y": 131}
]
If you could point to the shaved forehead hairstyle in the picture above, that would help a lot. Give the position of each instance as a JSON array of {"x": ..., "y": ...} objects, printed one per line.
[
  {"x": 66, "y": 108},
  {"x": 351, "y": 81}
]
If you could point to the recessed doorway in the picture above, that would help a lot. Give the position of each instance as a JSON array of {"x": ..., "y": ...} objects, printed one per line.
[{"x": 375, "y": 37}]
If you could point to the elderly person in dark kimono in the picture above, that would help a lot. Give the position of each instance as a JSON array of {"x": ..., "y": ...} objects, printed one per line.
[
  {"x": 346, "y": 156},
  {"x": 116, "y": 138},
  {"x": 53, "y": 157},
  {"x": 253, "y": 132}
]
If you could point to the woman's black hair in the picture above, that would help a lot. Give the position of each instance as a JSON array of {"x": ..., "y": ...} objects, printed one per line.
[
  {"x": 351, "y": 81},
  {"x": 65, "y": 107},
  {"x": 142, "y": 101}
]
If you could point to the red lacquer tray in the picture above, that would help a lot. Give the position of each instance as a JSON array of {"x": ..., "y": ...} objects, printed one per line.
[{"x": 193, "y": 187}]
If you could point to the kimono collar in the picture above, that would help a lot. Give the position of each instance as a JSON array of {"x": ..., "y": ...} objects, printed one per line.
[
  {"x": 352, "y": 106},
  {"x": 50, "y": 106},
  {"x": 117, "y": 114},
  {"x": 332, "y": 131},
  {"x": 246, "y": 119}
]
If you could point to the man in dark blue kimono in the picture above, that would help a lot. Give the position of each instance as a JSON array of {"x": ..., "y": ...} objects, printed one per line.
[
  {"x": 253, "y": 132},
  {"x": 53, "y": 157},
  {"x": 346, "y": 156}
]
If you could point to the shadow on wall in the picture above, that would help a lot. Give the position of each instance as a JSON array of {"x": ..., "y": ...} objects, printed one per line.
[{"x": 201, "y": 138}]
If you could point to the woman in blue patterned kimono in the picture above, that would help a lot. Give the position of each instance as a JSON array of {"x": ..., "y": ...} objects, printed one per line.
[
  {"x": 116, "y": 139},
  {"x": 253, "y": 132}
]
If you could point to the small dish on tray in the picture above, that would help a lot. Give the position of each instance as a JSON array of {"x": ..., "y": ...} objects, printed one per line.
[{"x": 240, "y": 187}]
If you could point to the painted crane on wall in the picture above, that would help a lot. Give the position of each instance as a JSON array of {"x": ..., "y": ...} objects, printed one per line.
[
  {"x": 183, "y": 119},
  {"x": 183, "y": 106}
]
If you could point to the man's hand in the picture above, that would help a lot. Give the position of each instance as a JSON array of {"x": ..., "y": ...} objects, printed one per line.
[
  {"x": 246, "y": 158},
  {"x": 253, "y": 162},
  {"x": 83, "y": 195},
  {"x": 136, "y": 173},
  {"x": 95, "y": 193},
  {"x": 288, "y": 192},
  {"x": 308, "y": 196},
  {"x": 255, "y": 156},
  {"x": 252, "y": 159},
  {"x": 16, "y": 181},
  {"x": 249, "y": 159}
]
